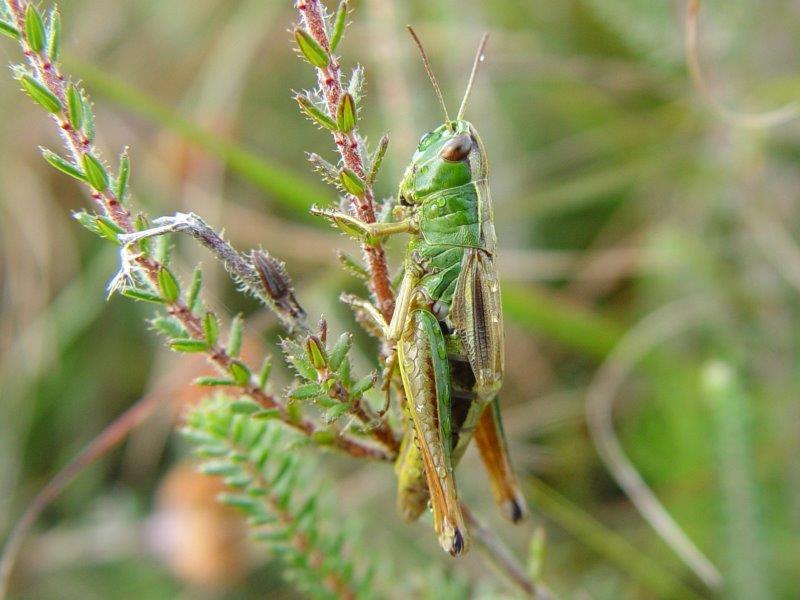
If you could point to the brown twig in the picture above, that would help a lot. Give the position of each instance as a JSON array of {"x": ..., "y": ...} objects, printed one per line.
[
  {"x": 313, "y": 19},
  {"x": 501, "y": 557},
  {"x": 112, "y": 435},
  {"x": 80, "y": 145}
]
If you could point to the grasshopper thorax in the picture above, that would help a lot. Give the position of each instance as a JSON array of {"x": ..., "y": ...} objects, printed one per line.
[{"x": 450, "y": 156}]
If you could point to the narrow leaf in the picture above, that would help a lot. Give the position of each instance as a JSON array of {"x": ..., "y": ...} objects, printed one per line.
[
  {"x": 193, "y": 297},
  {"x": 314, "y": 113},
  {"x": 240, "y": 373},
  {"x": 143, "y": 296},
  {"x": 314, "y": 53},
  {"x": 340, "y": 350},
  {"x": 188, "y": 345},
  {"x": 63, "y": 165},
  {"x": 34, "y": 28},
  {"x": 211, "y": 328},
  {"x": 9, "y": 30},
  {"x": 168, "y": 285},
  {"x": 95, "y": 173},
  {"x": 213, "y": 382},
  {"x": 266, "y": 369},
  {"x": 306, "y": 391},
  {"x": 377, "y": 159},
  {"x": 339, "y": 24},
  {"x": 54, "y": 35},
  {"x": 75, "y": 107},
  {"x": 346, "y": 113},
  {"x": 351, "y": 265},
  {"x": 40, "y": 94},
  {"x": 235, "y": 336},
  {"x": 121, "y": 189},
  {"x": 351, "y": 182}
]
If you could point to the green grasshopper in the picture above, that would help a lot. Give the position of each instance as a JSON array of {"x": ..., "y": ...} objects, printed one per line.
[{"x": 447, "y": 327}]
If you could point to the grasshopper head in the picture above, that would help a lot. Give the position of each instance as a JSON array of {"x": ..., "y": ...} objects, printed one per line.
[{"x": 449, "y": 156}]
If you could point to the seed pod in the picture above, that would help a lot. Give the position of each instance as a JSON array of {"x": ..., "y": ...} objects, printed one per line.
[{"x": 276, "y": 283}]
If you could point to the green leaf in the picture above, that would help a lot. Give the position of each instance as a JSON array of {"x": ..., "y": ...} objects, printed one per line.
[
  {"x": 188, "y": 345},
  {"x": 323, "y": 437},
  {"x": 235, "y": 336},
  {"x": 213, "y": 382},
  {"x": 316, "y": 353},
  {"x": 88, "y": 118},
  {"x": 169, "y": 326},
  {"x": 9, "y": 30},
  {"x": 266, "y": 414},
  {"x": 377, "y": 159},
  {"x": 306, "y": 391},
  {"x": 143, "y": 296},
  {"x": 314, "y": 53},
  {"x": 266, "y": 369},
  {"x": 34, "y": 28},
  {"x": 108, "y": 229},
  {"x": 536, "y": 555},
  {"x": 351, "y": 182},
  {"x": 75, "y": 106},
  {"x": 63, "y": 165},
  {"x": 168, "y": 285},
  {"x": 211, "y": 328},
  {"x": 352, "y": 265},
  {"x": 40, "y": 94},
  {"x": 339, "y": 24},
  {"x": 95, "y": 173},
  {"x": 121, "y": 189},
  {"x": 141, "y": 225},
  {"x": 340, "y": 350},
  {"x": 244, "y": 407},
  {"x": 193, "y": 297},
  {"x": 240, "y": 373},
  {"x": 334, "y": 412},
  {"x": 363, "y": 385},
  {"x": 54, "y": 35},
  {"x": 314, "y": 113},
  {"x": 346, "y": 115}
]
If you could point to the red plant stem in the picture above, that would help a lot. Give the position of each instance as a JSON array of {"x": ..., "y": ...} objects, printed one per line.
[
  {"x": 311, "y": 12},
  {"x": 79, "y": 145}
]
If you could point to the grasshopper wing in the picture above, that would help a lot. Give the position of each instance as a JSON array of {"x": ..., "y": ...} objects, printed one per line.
[{"x": 477, "y": 317}]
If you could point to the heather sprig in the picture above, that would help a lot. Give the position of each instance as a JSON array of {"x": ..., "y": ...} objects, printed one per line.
[{"x": 269, "y": 483}]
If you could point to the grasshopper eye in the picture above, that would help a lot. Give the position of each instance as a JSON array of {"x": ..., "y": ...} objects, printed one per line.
[{"x": 457, "y": 149}]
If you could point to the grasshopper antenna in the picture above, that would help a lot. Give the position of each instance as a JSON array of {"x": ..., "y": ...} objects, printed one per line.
[
  {"x": 428, "y": 69},
  {"x": 478, "y": 60}
]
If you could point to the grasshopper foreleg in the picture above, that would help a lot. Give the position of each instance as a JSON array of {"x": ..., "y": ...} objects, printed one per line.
[{"x": 369, "y": 233}]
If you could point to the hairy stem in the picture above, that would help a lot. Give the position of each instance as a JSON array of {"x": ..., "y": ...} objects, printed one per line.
[
  {"x": 79, "y": 145},
  {"x": 312, "y": 15}
]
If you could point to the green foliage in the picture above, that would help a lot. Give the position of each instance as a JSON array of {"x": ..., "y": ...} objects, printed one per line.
[{"x": 280, "y": 493}]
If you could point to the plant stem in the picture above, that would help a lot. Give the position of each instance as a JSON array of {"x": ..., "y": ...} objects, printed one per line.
[
  {"x": 312, "y": 15},
  {"x": 79, "y": 146},
  {"x": 501, "y": 557}
]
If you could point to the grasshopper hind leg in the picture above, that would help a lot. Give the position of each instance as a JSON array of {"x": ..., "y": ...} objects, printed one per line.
[
  {"x": 491, "y": 441},
  {"x": 426, "y": 379}
]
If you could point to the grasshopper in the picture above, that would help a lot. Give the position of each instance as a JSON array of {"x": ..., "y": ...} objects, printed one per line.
[{"x": 447, "y": 327}]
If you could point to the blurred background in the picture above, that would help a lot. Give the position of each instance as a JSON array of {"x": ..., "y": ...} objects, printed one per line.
[{"x": 649, "y": 257}]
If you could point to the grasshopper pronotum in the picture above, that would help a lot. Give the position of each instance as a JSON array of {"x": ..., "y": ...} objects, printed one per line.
[{"x": 447, "y": 327}]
